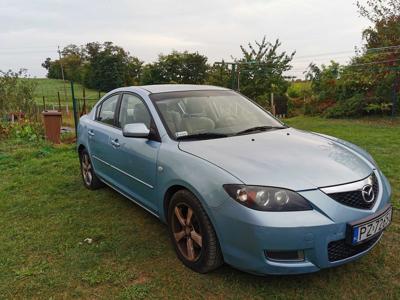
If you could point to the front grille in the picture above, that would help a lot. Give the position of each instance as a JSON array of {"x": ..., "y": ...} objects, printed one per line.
[
  {"x": 338, "y": 250},
  {"x": 355, "y": 199}
]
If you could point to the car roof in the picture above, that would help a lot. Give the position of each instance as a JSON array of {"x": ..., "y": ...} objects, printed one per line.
[{"x": 163, "y": 88}]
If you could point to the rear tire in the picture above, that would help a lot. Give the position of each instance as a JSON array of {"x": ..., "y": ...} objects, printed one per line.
[
  {"x": 90, "y": 180},
  {"x": 192, "y": 234}
]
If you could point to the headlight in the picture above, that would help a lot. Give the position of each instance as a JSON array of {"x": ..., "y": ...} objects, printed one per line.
[{"x": 267, "y": 198}]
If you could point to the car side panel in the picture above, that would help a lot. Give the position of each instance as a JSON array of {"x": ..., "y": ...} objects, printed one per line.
[{"x": 202, "y": 178}]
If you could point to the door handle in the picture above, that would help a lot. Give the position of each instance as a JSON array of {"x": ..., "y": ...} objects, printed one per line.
[
  {"x": 115, "y": 143},
  {"x": 90, "y": 132}
]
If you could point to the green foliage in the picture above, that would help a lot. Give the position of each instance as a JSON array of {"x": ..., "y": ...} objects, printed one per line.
[
  {"x": 262, "y": 70},
  {"x": 177, "y": 67},
  {"x": 16, "y": 92},
  {"x": 107, "y": 66},
  {"x": 352, "y": 107},
  {"x": 377, "y": 10},
  {"x": 324, "y": 80},
  {"x": 377, "y": 108},
  {"x": 24, "y": 130},
  {"x": 299, "y": 89},
  {"x": 98, "y": 66},
  {"x": 366, "y": 85},
  {"x": 220, "y": 75}
]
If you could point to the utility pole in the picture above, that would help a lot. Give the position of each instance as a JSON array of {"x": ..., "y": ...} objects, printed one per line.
[{"x": 62, "y": 74}]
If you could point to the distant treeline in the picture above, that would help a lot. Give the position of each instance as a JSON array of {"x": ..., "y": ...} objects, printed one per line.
[{"x": 107, "y": 66}]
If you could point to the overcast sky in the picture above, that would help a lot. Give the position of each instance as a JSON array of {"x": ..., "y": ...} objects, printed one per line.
[{"x": 319, "y": 30}]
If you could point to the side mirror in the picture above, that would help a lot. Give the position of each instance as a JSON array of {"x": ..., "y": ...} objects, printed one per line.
[{"x": 136, "y": 130}]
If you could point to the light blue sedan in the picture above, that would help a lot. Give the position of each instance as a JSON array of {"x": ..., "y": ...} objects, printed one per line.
[{"x": 233, "y": 183}]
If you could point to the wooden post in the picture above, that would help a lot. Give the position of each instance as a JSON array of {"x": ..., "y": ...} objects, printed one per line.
[
  {"x": 44, "y": 104},
  {"x": 394, "y": 94},
  {"x": 273, "y": 104},
  {"x": 233, "y": 76},
  {"x": 75, "y": 109},
  {"x": 84, "y": 102},
  {"x": 59, "y": 101}
]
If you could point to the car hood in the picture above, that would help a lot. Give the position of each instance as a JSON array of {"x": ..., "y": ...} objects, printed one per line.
[{"x": 286, "y": 158}]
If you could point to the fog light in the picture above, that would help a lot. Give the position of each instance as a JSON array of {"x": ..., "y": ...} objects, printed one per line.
[{"x": 288, "y": 256}]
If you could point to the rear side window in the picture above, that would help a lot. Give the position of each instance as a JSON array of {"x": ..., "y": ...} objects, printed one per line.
[{"x": 107, "y": 110}]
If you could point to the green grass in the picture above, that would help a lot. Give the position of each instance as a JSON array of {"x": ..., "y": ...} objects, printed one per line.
[
  {"x": 49, "y": 88},
  {"x": 46, "y": 214}
]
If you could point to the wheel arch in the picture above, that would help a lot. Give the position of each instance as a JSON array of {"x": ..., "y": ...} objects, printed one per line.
[
  {"x": 81, "y": 147},
  {"x": 167, "y": 198},
  {"x": 171, "y": 190}
]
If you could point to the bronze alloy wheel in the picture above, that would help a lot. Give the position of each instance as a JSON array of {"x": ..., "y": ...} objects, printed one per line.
[
  {"x": 187, "y": 232},
  {"x": 192, "y": 234},
  {"x": 86, "y": 167}
]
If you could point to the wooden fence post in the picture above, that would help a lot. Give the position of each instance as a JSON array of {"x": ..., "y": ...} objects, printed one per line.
[{"x": 59, "y": 100}]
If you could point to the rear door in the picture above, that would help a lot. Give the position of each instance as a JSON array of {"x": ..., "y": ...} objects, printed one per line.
[{"x": 100, "y": 143}]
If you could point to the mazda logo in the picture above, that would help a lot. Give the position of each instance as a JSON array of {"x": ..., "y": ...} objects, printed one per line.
[{"x": 367, "y": 193}]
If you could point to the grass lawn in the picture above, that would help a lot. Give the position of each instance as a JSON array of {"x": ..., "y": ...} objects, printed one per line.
[{"x": 46, "y": 214}]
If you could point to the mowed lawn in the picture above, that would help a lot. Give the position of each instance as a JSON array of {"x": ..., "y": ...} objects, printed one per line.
[{"x": 46, "y": 214}]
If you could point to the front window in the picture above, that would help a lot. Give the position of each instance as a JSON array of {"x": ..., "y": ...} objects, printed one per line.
[
  {"x": 133, "y": 110},
  {"x": 211, "y": 113}
]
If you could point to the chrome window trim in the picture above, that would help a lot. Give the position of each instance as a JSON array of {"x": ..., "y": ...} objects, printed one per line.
[
  {"x": 348, "y": 187},
  {"x": 123, "y": 172}
]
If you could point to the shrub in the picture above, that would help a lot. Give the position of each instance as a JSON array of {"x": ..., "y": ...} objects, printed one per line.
[
  {"x": 352, "y": 107},
  {"x": 16, "y": 93},
  {"x": 25, "y": 130},
  {"x": 375, "y": 108}
]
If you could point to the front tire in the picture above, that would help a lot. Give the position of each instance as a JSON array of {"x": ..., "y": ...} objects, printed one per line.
[
  {"x": 90, "y": 180},
  {"x": 192, "y": 234}
]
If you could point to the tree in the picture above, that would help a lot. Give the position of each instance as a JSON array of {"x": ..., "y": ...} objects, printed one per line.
[
  {"x": 378, "y": 10},
  {"x": 100, "y": 66},
  {"x": 220, "y": 75},
  {"x": 366, "y": 84},
  {"x": 262, "y": 70},
  {"x": 177, "y": 67},
  {"x": 324, "y": 80},
  {"x": 381, "y": 53}
]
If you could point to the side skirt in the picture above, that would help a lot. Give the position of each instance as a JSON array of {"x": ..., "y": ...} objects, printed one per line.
[{"x": 130, "y": 198}]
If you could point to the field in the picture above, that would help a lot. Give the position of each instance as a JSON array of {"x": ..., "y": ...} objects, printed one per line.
[
  {"x": 49, "y": 88},
  {"x": 47, "y": 216}
]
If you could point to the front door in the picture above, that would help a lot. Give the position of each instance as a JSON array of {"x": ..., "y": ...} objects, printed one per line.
[{"x": 136, "y": 158}]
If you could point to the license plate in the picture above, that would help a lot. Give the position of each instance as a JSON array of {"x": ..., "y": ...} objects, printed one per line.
[{"x": 369, "y": 227}]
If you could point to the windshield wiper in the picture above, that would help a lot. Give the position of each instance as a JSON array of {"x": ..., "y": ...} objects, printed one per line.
[
  {"x": 259, "y": 128},
  {"x": 202, "y": 136}
]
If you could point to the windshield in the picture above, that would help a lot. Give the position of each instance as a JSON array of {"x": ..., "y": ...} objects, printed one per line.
[{"x": 211, "y": 114}]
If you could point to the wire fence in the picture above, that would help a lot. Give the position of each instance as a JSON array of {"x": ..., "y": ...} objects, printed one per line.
[{"x": 52, "y": 94}]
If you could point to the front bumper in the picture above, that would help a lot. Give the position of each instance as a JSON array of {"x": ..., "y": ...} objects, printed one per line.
[{"x": 246, "y": 234}]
